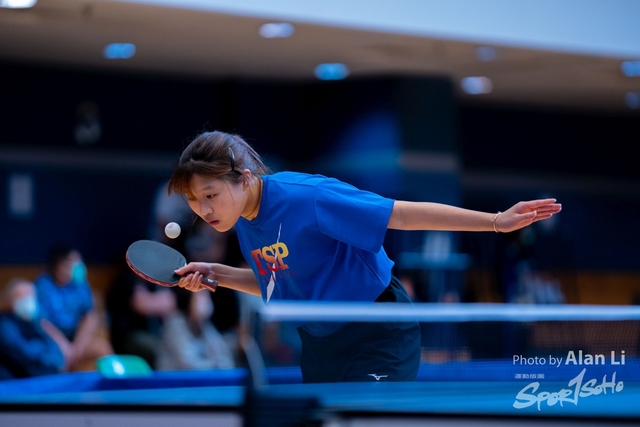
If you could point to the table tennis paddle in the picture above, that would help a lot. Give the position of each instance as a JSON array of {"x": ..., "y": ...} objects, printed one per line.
[{"x": 156, "y": 262}]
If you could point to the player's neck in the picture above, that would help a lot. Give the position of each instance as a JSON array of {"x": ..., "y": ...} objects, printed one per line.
[{"x": 255, "y": 199}]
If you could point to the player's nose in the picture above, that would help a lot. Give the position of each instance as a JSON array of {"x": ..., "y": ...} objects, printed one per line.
[{"x": 205, "y": 208}]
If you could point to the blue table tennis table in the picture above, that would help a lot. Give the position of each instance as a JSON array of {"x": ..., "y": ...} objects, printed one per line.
[{"x": 495, "y": 391}]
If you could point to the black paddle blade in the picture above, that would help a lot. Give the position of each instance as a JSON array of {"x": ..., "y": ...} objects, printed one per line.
[{"x": 156, "y": 262}]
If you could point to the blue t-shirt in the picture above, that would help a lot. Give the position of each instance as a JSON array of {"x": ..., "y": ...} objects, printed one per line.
[
  {"x": 64, "y": 306},
  {"x": 317, "y": 239}
]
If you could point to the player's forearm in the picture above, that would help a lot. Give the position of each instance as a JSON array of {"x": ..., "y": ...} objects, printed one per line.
[
  {"x": 436, "y": 216},
  {"x": 239, "y": 279}
]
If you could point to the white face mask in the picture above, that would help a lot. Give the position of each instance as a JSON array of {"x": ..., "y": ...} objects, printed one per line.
[
  {"x": 78, "y": 272},
  {"x": 26, "y": 308}
]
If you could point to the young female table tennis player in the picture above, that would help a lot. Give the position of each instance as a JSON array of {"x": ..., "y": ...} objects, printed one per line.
[{"x": 309, "y": 237}]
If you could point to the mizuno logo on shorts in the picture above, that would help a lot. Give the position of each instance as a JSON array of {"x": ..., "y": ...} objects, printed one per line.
[{"x": 377, "y": 377}]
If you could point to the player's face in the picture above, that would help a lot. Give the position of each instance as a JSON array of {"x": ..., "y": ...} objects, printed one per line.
[
  {"x": 62, "y": 272},
  {"x": 219, "y": 203},
  {"x": 24, "y": 289}
]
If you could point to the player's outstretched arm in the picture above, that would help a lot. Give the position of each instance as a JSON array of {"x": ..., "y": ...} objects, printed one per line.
[
  {"x": 436, "y": 216},
  {"x": 239, "y": 279}
]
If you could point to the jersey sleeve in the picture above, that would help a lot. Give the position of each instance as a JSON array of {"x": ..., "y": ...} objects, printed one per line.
[{"x": 350, "y": 215}]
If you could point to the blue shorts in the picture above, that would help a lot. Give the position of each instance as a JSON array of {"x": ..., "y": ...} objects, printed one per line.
[{"x": 364, "y": 351}]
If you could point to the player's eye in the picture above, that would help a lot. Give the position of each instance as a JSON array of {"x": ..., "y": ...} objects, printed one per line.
[{"x": 211, "y": 196}]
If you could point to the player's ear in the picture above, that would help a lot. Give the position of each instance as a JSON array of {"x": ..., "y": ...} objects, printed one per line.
[{"x": 246, "y": 179}]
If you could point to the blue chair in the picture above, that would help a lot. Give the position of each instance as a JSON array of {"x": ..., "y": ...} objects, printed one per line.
[{"x": 123, "y": 366}]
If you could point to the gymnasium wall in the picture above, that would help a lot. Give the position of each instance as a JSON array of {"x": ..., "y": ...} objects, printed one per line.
[{"x": 402, "y": 137}]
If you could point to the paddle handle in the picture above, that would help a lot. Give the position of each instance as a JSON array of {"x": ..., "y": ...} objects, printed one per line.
[{"x": 210, "y": 283}]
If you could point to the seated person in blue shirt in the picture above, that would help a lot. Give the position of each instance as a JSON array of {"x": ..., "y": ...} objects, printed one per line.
[
  {"x": 135, "y": 308},
  {"x": 26, "y": 350},
  {"x": 66, "y": 300},
  {"x": 309, "y": 237}
]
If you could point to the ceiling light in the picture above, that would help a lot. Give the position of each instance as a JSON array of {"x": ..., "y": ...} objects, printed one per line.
[
  {"x": 17, "y": 4},
  {"x": 276, "y": 29},
  {"x": 119, "y": 50},
  {"x": 632, "y": 99},
  {"x": 334, "y": 71},
  {"x": 630, "y": 68},
  {"x": 486, "y": 53},
  {"x": 476, "y": 85}
]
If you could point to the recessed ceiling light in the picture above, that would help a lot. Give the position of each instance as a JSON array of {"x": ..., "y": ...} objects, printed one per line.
[
  {"x": 119, "y": 50},
  {"x": 277, "y": 29},
  {"x": 630, "y": 68},
  {"x": 476, "y": 85},
  {"x": 17, "y": 4},
  {"x": 334, "y": 71},
  {"x": 486, "y": 53},
  {"x": 632, "y": 99}
]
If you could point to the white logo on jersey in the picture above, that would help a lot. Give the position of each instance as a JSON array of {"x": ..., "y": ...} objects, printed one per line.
[{"x": 272, "y": 281}]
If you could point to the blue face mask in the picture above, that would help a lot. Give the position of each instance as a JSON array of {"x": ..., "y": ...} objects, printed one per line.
[
  {"x": 26, "y": 308},
  {"x": 78, "y": 273}
]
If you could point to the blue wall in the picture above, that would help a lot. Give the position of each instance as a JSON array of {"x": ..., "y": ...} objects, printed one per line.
[{"x": 353, "y": 129}]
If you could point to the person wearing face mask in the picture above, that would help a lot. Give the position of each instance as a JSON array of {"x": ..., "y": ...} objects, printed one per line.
[
  {"x": 66, "y": 301},
  {"x": 189, "y": 338},
  {"x": 29, "y": 346}
]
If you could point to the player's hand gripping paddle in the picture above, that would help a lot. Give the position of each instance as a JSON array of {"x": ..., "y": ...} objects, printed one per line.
[{"x": 156, "y": 262}]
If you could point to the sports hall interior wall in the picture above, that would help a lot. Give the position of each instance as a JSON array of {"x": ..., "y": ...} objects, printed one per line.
[{"x": 351, "y": 129}]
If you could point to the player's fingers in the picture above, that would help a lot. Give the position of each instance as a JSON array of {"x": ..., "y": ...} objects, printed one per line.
[
  {"x": 197, "y": 282},
  {"x": 551, "y": 209},
  {"x": 190, "y": 282},
  {"x": 184, "y": 270},
  {"x": 541, "y": 202},
  {"x": 542, "y": 217},
  {"x": 183, "y": 283},
  {"x": 534, "y": 205}
]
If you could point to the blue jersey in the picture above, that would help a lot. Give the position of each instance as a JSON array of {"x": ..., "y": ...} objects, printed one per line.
[{"x": 317, "y": 239}]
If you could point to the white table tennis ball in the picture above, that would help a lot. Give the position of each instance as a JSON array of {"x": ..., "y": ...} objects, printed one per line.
[{"x": 172, "y": 230}]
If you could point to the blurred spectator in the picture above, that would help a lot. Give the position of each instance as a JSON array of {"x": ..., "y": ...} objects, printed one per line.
[
  {"x": 523, "y": 278},
  {"x": 189, "y": 338},
  {"x": 534, "y": 287},
  {"x": 136, "y": 308},
  {"x": 529, "y": 260},
  {"x": 204, "y": 243},
  {"x": 26, "y": 349},
  {"x": 169, "y": 208},
  {"x": 66, "y": 300},
  {"x": 198, "y": 241}
]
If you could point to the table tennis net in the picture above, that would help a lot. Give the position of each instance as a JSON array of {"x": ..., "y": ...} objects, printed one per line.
[{"x": 520, "y": 335}]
